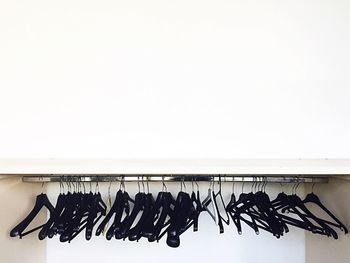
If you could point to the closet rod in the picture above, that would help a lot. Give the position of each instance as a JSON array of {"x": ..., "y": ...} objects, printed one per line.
[{"x": 175, "y": 178}]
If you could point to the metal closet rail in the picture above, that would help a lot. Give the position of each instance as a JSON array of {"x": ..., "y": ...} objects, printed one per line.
[{"x": 175, "y": 178}]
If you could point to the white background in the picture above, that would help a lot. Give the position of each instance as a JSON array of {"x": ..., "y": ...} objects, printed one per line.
[
  {"x": 244, "y": 79},
  {"x": 157, "y": 79}
]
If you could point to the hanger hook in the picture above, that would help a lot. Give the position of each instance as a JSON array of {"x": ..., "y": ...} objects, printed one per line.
[
  {"x": 143, "y": 184},
  {"x": 123, "y": 183},
  {"x": 42, "y": 185},
  {"x": 61, "y": 185},
  {"x": 299, "y": 182},
  {"x": 164, "y": 185},
  {"x": 138, "y": 183},
  {"x": 147, "y": 185},
  {"x": 109, "y": 187},
  {"x": 263, "y": 184},
  {"x": 292, "y": 190},
  {"x": 197, "y": 184},
  {"x": 313, "y": 185},
  {"x": 78, "y": 184},
  {"x": 183, "y": 183},
  {"x": 120, "y": 183},
  {"x": 233, "y": 185},
  {"x": 242, "y": 183},
  {"x": 97, "y": 187},
  {"x": 83, "y": 182}
]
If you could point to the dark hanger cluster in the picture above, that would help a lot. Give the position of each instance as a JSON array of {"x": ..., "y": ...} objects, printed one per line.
[{"x": 146, "y": 217}]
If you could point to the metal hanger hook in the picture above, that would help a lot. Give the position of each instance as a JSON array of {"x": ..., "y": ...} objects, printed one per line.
[
  {"x": 233, "y": 185},
  {"x": 138, "y": 183},
  {"x": 296, "y": 188},
  {"x": 164, "y": 185},
  {"x": 313, "y": 185},
  {"x": 242, "y": 184},
  {"x": 83, "y": 182},
  {"x": 183, "y": 182},
  {"x": 147, "y": 185},
  {"x": 143, "y": 184},
  {"x": 42, "y": 185},
  {"x": 253, "y": 183},
  {"x": 197, "y": 184},
  {"x": 97, "y": 189},
  {"x": 109, "y": 187},
  {"x": 61, "y": 185}
]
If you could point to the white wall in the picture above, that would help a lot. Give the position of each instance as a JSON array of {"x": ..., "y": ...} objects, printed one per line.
[{"x": 175, "y": 79}]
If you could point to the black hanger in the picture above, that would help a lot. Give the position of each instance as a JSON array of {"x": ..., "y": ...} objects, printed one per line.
[
  {"x": 135, "y": 233},
  {"x": 182, "y": 212},
  {"x": 244, "y": 205},
  {"x": 293, "y": 204},
  {"x": 41, "y": 201},
  {"x": 44, "y": 232},
  {"x": 195, "y": 198},
  {"x": 124, "y": 229},
  {"x": 111, "y": 213},
  {"x": 97, "y": 209},
  {"x": 312, "y": 198},
  {"x": 160, "y": 216},
  {"x": 121, "y": 213},
  {"x": 283, "y": 202}
]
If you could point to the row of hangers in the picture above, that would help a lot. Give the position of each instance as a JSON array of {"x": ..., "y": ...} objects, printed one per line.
[{"x": 152, "y": 218}]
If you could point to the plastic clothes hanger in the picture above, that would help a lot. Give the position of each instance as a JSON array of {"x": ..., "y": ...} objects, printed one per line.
[
  {"x": 61, "y": 199},
  {"x": 221, "y": 200},
  {"x": 111, "y": 213},
  {"x": 210, "y": 200},
  {"x": 124, "y": 229},
  {"x": 123, "y": 207},
  {"x": 182, "y": 212},
  {"x": 313, "y": 198},
  {"x": 41, "y": 201},
  {"x": 246, "y": 205},
  {"x": 293, "y": 204},
  {"x": 97, "y": 209},
  {"x": 135, "y": 233},
  {"x": 161, "y": 215}
]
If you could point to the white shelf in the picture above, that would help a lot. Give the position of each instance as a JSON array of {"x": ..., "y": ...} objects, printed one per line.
[{"x": 331, "y": 167}]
